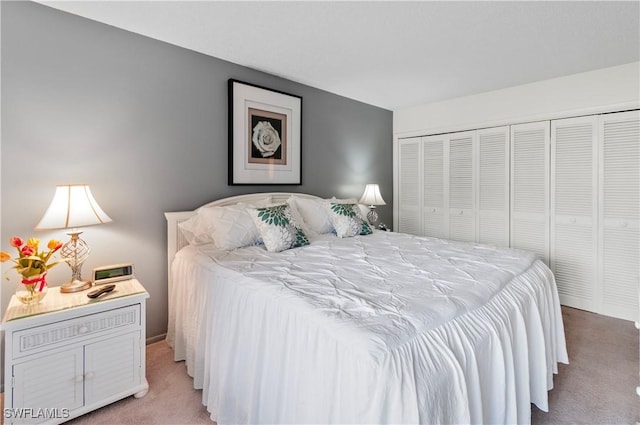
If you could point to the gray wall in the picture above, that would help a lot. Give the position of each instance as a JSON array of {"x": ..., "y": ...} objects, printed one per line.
[{"x": 144, "y": 123}]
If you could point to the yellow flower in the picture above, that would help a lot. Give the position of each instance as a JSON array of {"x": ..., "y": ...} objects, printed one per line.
[
  {"x": 4, "y": 256},
  {"x": 33, "y": 243}
]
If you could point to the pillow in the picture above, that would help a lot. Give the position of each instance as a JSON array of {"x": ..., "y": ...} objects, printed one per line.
[
  {"x": 230, "y": 227},
  {"x": 363, "y": 208},
  {"x": 315, "y": 218},
  {"x": 347, "y": 220},
  {"x": 227, "y": 227},
  {"x": 278, "y": 228},
  {"x": 195, "y": 230}
]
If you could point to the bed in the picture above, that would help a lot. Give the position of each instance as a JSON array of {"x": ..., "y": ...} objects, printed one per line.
[{"x": 376, "y": 328}]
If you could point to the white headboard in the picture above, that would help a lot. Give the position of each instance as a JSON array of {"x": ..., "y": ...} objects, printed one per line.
[{"x": 175, "y": 239}]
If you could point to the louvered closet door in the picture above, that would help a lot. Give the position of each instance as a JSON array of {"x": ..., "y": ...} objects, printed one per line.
[
  {"x": 434, "y": 217},
  {"x": 619, "y": 228},
  {"x": 574, "y": 210},
  {"x": 530, "y": 188},
  {"x": 462, "y": 186},
  {"x": 492, "y": 218},
  {"x": 409, "y": 185}
]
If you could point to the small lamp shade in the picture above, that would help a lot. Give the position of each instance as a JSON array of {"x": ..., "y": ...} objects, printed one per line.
[
  {"x": 372, "y": 195},
  {"x": 72, "y": 206}
]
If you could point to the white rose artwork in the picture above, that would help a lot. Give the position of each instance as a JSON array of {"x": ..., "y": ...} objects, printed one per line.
[
  {"x": 264, "y": 135},
  {"x": 266, "y": 139}
]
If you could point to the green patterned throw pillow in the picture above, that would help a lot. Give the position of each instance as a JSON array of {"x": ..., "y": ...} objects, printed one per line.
[
  {"x": 278, "y": 228},
  {"x": 348, "y": 221}
]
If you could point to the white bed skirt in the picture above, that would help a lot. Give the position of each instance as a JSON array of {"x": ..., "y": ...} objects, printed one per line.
[{"x": 260, "y": 363}]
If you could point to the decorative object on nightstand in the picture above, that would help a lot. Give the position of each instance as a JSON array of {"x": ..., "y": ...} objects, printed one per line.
[
  {"x": 372, "y": 197},
  {"x": 32, "y": 264},
  {"x": 73, "y": 206}
]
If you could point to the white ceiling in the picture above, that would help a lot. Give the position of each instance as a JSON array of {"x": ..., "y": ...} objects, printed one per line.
[{"x": 391, "y": 54}]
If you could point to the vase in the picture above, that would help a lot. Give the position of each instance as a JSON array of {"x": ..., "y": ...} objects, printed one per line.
[{"x": 32, "y": 290}]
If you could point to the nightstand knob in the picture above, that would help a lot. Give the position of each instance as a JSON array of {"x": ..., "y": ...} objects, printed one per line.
[
  {"x": 83, "y": 329},
  {"x": 624, "y": 224},
  {"x": 79, "y": 378},
  {"x": 89, "y": 375}
]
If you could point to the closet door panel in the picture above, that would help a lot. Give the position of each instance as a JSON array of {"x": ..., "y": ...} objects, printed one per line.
[
  {"x": 574, "y": 209},
  {"x": 462, "y": 186},
  {"x": 492, "y": 217},
  {"x": 409, "y": 186},
  {"x": 619, "y": 232},
  {"x": 530, "y": 188},
  {"x": 434, "y": 195}
]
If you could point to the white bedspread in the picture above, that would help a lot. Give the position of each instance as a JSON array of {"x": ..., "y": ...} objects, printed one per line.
[{"x": 385, "y": 328}]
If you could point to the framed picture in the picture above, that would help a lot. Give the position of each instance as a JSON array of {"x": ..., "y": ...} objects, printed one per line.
[{"x": 265, "y": 129}]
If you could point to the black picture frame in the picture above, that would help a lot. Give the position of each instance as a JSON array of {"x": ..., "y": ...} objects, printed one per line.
[{"x": 265, "y": 135}]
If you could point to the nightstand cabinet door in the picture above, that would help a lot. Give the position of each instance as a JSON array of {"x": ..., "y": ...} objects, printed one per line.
[
  {"x": 52, "y": 382},
  {"x": 112, "y": 367}
]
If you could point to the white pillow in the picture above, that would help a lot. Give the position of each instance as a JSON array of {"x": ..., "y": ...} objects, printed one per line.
[
  {"x": 313, "y": 212},
  {"x": 278, "y": 228},
  {"x": 227, "y": 227},
  {"x": 230, "y": 227},
  {"x": 195, "y": 230},
  {"x": 347, "y": 220}
]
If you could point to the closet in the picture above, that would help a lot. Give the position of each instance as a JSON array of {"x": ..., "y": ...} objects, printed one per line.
[
  {"x": 566, "y": 189},
  {"x": 456, "y": 186}
]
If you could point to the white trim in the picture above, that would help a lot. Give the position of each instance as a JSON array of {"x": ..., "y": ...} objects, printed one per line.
[{"x": 515, "y": 120}]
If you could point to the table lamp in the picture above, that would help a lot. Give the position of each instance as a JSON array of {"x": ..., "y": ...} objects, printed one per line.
[
  {"x": 372, "y": 198},
  {"x": 73, "y": 206}
]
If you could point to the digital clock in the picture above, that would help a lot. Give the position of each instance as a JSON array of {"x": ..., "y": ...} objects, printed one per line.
[{"x": 113, "y": 273}]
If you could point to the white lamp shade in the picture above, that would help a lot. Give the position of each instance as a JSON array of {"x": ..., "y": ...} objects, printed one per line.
[
  {"x": 372, "y": 195},
  {"x": 72, "y": 206}
]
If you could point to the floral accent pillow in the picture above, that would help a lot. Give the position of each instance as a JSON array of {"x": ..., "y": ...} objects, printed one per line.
[
  {"x": 278, "y": 228},
  {"x": 347, "y": 220}
]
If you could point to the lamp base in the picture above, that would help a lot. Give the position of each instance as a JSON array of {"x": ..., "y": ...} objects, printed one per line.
[
  {"x": 75, "y": 286},
  {"x": 372, "y": 215}
]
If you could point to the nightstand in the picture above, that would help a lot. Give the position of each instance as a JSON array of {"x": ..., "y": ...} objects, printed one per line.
[{"x": 70, "y": 354}]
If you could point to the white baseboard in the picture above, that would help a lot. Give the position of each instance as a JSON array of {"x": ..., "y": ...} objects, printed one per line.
[{"x": 156, "y": 338}]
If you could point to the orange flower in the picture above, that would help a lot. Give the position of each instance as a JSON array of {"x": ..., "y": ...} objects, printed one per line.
[
  {"x": 4, "y": 256},
  {"x": 54, "y": 244}
]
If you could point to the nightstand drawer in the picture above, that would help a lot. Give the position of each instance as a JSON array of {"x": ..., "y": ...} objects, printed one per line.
[{"x": 46, "y": 337}]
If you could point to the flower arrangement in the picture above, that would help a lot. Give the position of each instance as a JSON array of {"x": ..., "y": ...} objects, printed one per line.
[{"x": 32, "y": 264}]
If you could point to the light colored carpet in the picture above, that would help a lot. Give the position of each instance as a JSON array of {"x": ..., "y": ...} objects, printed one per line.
[
  {"x": 599, "y": 384},
  {"x": 598, "y": 387}
]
